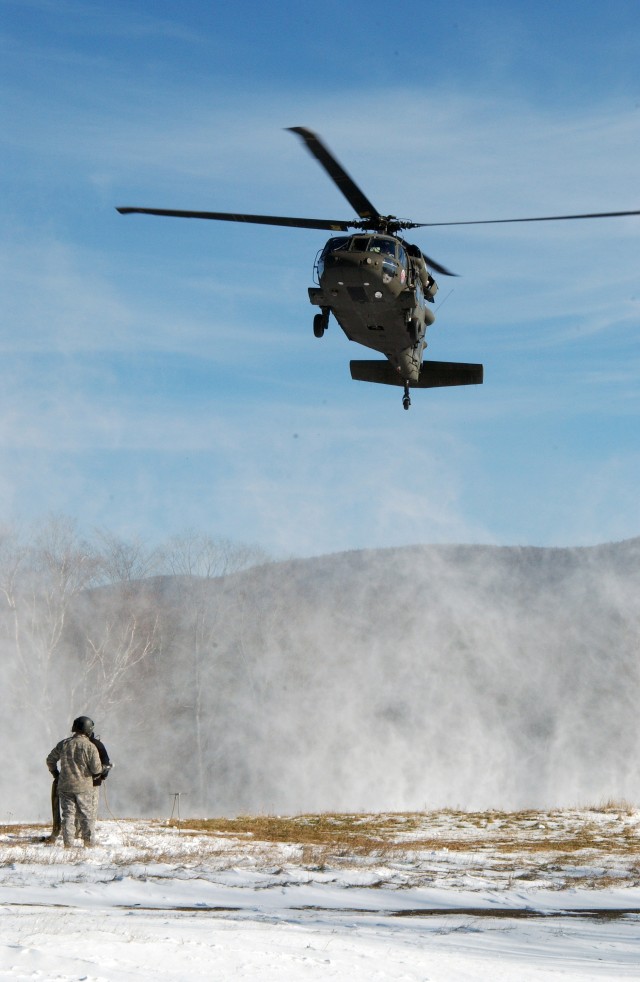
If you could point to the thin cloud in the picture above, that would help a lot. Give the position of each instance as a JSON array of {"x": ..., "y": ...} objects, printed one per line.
[{"x": 218, "y": 315}]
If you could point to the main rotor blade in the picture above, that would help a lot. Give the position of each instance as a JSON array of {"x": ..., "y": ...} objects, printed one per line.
[
  {"x": 438, "y": 268},
  {"x": 545, "y": 218},
  {"x": 224, "y": 216},
  {"x": 338, "y": 174}
]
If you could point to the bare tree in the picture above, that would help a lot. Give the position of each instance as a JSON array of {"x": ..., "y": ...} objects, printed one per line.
[
  {"x": 120, "y": 621},
  {"x": 197, "y": 561},
  {"x": 13, "y": 563},
  {"x": 40, "y": 577},
  {"x": 123, "y": 561},
  {"x": 192, "y": 554},
  {"x": 121, "y": 629},
  {"x": 86, "y": 623}
]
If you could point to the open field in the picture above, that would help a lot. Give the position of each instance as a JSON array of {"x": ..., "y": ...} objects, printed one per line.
[
  {"x": 445, "y": 895},
  {"x": 596, "y": 847}
]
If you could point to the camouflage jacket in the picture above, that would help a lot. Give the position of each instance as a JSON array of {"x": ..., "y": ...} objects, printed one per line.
[{"x": 79, "y": 763}]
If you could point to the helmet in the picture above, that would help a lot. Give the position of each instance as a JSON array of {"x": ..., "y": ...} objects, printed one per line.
[{"x": 82, "y": 724}]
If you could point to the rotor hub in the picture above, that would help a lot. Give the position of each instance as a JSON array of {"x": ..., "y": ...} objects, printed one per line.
[{"x": 385, "y": 224}]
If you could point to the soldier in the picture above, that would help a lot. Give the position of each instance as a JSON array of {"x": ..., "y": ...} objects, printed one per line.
[
  {"x": 97, "y": 781},
  {"x": 106, "y": 767},
  {"x": 79, "y": 765}
]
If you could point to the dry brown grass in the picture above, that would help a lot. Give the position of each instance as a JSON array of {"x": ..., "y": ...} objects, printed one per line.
[
  {"x": 403, "y": 834},
  {"x": 356, "y": 834},
  {"x": 615, "y": 806},
  {"x": 16, "y": 829},
  {"x": 593, "y": 847},
  {"x": 534, "y": 839}
]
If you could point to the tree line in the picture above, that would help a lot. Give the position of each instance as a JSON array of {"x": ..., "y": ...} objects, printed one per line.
[{"x": 81, "y": 615}]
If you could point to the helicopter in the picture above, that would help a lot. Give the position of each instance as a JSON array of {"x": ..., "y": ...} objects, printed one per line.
[{"x": 379, "y": 287}]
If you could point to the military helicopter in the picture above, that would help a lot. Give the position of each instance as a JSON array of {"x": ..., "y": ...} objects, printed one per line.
[{"x": 378, "y": 287}]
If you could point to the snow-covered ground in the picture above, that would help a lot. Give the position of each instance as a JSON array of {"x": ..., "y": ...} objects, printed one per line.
[{"x": 439, "y": 896}]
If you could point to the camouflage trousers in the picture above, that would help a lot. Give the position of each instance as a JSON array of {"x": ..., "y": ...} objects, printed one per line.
[
  {"x": 55, "y": 811},
  {"x": 78, "y": 808}
]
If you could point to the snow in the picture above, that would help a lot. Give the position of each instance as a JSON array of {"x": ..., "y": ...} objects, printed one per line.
[{"x": 446, "y": 897}]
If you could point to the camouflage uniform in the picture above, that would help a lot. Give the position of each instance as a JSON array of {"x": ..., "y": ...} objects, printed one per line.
[
  {"x": 79, "y": 764},
  {"x": 97, "y": 781}
]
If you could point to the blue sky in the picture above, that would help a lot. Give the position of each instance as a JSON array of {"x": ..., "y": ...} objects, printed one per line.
[{"x": 157, "y": 374}]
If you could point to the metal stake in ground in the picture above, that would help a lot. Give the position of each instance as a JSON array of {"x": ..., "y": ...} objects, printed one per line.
[{"x": 176, "y": 804}]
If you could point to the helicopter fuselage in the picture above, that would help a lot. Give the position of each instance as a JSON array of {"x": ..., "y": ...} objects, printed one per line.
[
  {"x": 377, "y": 286},
  {"x": 379, "y": 289}
]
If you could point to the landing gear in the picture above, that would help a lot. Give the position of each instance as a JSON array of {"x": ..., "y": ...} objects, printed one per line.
[
  {"x": 321, "y": 322},
  {"x": 406, "y": 399}
]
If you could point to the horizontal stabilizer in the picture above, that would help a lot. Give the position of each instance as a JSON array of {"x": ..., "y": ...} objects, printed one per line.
[{"x": 432, "y": 373}]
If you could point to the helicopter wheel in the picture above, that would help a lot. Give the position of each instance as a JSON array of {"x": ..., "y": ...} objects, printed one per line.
[{"x": 319, "y": 325}]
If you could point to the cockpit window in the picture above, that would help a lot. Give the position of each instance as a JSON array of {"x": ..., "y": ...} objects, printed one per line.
[
  {"x": 335, "y": 244},
  {"x": 386, "y": 247},
  {"x": 360, "y": 243}
]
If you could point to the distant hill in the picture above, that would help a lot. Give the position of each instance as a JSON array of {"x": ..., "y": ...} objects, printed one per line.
[
  {"x": 401, "y": 678},
  {"x": 410, "y": 678}
]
